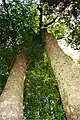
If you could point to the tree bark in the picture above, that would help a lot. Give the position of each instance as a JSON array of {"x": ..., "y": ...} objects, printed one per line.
[
  {"x": 68, "y": 77},
  {"x": 11, "y": 100}
]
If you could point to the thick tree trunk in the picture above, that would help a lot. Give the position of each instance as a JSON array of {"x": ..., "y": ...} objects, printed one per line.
[
  {"x": 11, "y": 100},
  {"x": 68, "y": 75}
]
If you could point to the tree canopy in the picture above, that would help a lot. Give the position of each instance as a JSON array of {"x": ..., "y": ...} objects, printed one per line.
[{"x": 20, "y": 23}]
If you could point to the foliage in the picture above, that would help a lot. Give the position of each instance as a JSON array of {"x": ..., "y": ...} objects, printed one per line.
[
  {"x": 59, "y": 30},
  {"x": 74, "y": 37},
  {"x": 41, "y": 95},
  {"x": 42, "y": 99},
  {"x": 19, "y": 23},
  {"x": 69, "y": 11},
  {"x": 7, "y": 54},
  {"x": 72, "y": 7}
]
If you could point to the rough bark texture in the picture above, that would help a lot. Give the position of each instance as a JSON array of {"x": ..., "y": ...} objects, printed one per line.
[
  {"x": 68, "y": 75},
  {"x": 11, "y": 100}
]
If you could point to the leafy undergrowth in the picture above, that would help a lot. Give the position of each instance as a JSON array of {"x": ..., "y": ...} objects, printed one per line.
[{"x": 41, "y": 96}]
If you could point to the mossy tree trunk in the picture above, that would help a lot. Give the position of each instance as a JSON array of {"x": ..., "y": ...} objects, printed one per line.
[
  {"x": 68, "y": 75},
  {"x": 11, "y": 100}
]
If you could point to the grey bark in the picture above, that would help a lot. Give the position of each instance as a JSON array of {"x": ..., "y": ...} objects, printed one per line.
[{"x": 68, "y": 77}]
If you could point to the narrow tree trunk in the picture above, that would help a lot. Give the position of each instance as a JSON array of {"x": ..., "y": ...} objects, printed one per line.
[
  {"x": 11, "y": 100},
  {"x": 68, "y": 75}
]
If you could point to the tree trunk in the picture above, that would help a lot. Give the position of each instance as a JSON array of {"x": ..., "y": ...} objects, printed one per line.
[
  {"x": 68, "y": 75},
  {"x": 11, "y": 100}
]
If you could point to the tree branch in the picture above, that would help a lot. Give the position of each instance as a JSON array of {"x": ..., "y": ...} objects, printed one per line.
[{"x": 51, "y": 22}]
